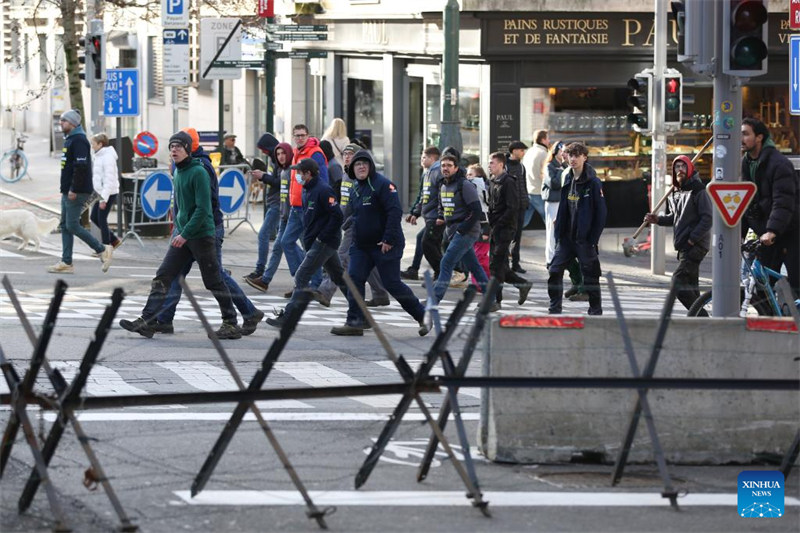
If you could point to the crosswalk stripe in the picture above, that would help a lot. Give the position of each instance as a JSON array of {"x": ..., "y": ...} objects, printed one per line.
[
  {"x": 473, "y": 392},
  {"x": 207, "y": 377},
  {"x": 102, "y": 380},
  {"x": 319, "y": 375}
]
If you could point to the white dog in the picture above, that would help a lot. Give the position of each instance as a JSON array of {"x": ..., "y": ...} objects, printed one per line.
[{"x": 26, "y": 226}]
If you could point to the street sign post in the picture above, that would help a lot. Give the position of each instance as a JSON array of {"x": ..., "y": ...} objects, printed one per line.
[
  {"x": 121, "y": 93},
  {"x": 731, "y": 199},
  {"x": 175, "y": 13},
  {"x": 157, "y": 194},
  {"x": 145, "y": 144},
  {"x": 214, "y": 32},
  {"x": 794, "y": 73},
  {"x": 176, "y": 56},
  {"x": 231, "y": 190}
]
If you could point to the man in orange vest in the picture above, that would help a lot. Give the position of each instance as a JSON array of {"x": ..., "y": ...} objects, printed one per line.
[{"x": 305, "y": 147}]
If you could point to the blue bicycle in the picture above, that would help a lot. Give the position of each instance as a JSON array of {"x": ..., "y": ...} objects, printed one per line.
[
  {"x": 757, "y": 293},
  {"x": 14, "y": 163}
]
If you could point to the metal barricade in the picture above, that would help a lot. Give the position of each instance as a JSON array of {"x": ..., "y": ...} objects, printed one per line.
[
  {"x": 134, "y": 214},
  {"x": 232, "y": 209}
]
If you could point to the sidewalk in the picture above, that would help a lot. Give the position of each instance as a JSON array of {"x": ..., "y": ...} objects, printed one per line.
[{"x": 41, "y": 188}]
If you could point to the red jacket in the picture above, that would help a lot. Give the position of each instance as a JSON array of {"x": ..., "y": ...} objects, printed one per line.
[{"x": 310, "y": 149}]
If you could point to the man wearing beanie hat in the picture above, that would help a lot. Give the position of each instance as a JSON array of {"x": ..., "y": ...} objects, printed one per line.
[
  {"x": 76, "y": 187},
  {"x": 194, "y": 239}
]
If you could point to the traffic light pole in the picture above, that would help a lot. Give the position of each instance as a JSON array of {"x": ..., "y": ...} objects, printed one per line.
[
  {"x": 725, "y": 241},
  {"x": 451, "y": 124},
  {"x": 661, "y": 180}
]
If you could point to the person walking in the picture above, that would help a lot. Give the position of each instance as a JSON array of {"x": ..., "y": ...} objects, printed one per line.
[
  {"x": 503, "y": 219},
  {"x": 251, "y": 316},
  {"x": 689, "y": 211},
  {"x": 377, "y": 242},
  {"x": 105, "y": 179},
  {"x": 193, "y": 240},
  {"x": 477, "y": 176},
  {"x": 76, "y": 188},
  {"x": 580, "y": 222},
  {"x": 424, "y": 207},
  {"x": 515, "y": 168},
  {"x": 460, "y": 214},
  {"x": 321, "y": 235},
  {"x": 774, "y": 213},
  {"x": 336, "y": 134},
  {"x": 535, "y": 163}
]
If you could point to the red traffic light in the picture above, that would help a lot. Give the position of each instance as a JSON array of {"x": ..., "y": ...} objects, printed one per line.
[
  {"x": 748, "y": 16},
  {"x": 672, "y": 85}
]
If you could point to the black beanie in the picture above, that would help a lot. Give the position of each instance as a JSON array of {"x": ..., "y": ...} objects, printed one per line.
[{"x": 182, "y": 138}]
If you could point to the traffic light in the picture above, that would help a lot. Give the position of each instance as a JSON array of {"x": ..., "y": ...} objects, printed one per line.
[
  {"x": 640, "y": 102},
  {"x": 87, "y": 60},
  {"x": 744, "y": 37},
  {"x": 673, "y": 99},
  {"x": 97, "y": 46}
]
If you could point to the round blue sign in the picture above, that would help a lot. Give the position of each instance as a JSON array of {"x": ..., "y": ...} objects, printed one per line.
[
  {"x": 156, "y": 194},
  {"x": 232, "y": 190}
]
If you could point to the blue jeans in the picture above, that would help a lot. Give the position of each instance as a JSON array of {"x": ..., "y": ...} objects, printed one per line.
[
  {"x": 242, "y": 303},
  {"x": 318, "y": 256},
  {"x": 537, "y": 204},
  {"x": 294, "y": 253},
  {"x": 275, "y": 258},
  {"x": 271, "y": 219},
  {"x": 175, "y": 261},
  {"x": 361, "y": 264},
  {"x": 71, "y": 227},
  {"x": 461, "y": 248}
]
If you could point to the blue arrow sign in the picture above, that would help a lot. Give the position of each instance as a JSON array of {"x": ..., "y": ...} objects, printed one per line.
[
  {"x": 231, "y": 190},
  {"x": 794, "y": 74},
  {"x": 121, "y": 93},
  {"x": 156, "y": 194}
]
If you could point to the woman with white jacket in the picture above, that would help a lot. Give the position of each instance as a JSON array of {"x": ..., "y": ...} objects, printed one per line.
[{"x": 106, "y": 184}]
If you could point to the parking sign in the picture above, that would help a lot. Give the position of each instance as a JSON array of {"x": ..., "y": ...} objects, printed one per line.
[{"x": 175, "y": 13}]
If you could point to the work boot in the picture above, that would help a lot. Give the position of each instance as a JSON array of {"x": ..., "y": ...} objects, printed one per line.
[
  {"x": 496, "y": 306},
  {"x": 250, "y": 324},
  {"x": 253, "y": 275},
  {"x": 571, "y": 292},
  {"x": 163, "y": 327},
  {"x": 524, "y": 289},
  {"x": 139, "y": 326},
  {"x": 579, "y": 297},
  {"x": 410, "y": 273},
  {"x": 320, "y": 298},
  {"x": 595, "y": 311},
  {"x": 288, "y": 295},
  {"x": 375, "y": 302},
  {"x": 229, "y": 331},
  {"x": 116, "y": 244},
  {"x": 348, "y": 331},
  {"x": 554, "y": 310},
  {"x": 423, "y": 328},
  {"x": 518, "y": 269},
  {"x": 257, "y": 283}
]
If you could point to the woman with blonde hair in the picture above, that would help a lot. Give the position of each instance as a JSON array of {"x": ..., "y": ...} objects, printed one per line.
[
  {"x": 105, "y": 180},
  {"x": 336, "y": 134}
]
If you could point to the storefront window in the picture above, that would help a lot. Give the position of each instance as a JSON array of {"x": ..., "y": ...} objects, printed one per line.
[
  {"x": 366, "y": 117},
  {"x": 469, "y": 109}
]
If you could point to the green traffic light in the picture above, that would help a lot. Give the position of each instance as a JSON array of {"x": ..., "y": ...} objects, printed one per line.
[
  {"x": 673, "y": 103},
  {"x": 748, "y": 51}
]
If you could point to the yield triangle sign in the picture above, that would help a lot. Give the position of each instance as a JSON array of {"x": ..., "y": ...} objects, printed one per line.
[{"x": 731, "y": 199}]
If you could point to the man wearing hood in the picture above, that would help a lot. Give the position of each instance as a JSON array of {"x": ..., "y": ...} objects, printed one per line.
[
  {"x": 271, "y": 178},
  {"x": 322, "y": 220},
  {"x": 378, "y": 242},
  {"x": 689, "y": 211},
  {"x": 194, "y": 239},
  {"x": 579, "y": 224},
  {"x": 460, "y": 212},
  {"x": 774, "y": 213}
]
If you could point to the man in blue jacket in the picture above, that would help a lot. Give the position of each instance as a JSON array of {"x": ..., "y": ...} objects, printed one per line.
[
  {"x": 322, "y": 233},
  {"x": 76, "y": 187},
  {"x": 579, "y": 224},
  {"x": 378, "y": 242}
]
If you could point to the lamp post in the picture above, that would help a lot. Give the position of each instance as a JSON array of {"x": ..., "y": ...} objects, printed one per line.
[{"x": 451, "y": 125}]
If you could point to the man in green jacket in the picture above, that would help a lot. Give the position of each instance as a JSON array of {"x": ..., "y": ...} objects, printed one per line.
[{"x": 194, "y": 240}]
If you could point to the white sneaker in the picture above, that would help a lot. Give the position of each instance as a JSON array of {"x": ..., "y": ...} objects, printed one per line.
[
  {"x": 61, "y": 268},
  {"x": 458, "y": 280},
  {"x": 105, "y": 256}
]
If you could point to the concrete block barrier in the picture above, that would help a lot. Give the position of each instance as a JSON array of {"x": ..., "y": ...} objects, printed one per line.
[{"x": 695, "y": 426}]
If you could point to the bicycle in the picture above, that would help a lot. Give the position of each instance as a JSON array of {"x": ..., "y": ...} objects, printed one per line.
[
  {"x": 14, "y": 163},
  {"x": 757, "y": 292}
]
